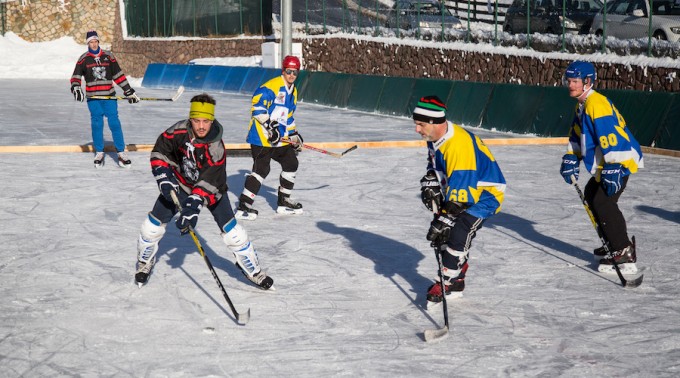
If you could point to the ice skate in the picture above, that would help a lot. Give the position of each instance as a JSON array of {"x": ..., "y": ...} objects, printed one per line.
[
  {"x": 99, "y": 160},
  {"x": 453, "y": 290},
  {"x": 144, "y": 271},
  {"x": 288, "y": 206},
  {"x": 600, "y": 251},
  {"x": 261, "y": 279},
  {"x": 625, "y": 259},
  {"x": 123, "y": 160},
  {"x": 244, "y": 212}
]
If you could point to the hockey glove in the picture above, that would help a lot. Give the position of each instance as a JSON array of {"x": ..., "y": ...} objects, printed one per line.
[
  {"x": 166, "y": 180},
  {"x": 431, "y": 190},
  {"x": 296, "y": 140},
  {"x": 78, "y": 93},
  {"x": 569, "y": 167},
  {"x": 440, "y": 228},
  {"x": 611, "y": 178},
  {"x": 454, "y": 209},
  {"x": 131, "y": 96},
  {"x": 273, "y": 134},
  {"x": 188, "y": 217}
]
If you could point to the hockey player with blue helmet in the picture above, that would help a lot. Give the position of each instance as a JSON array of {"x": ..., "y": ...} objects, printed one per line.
[{"x": 600, "y": 138}]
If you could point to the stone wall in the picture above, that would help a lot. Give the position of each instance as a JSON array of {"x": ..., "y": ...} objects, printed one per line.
[
  {"x": 47, "y": 20},
  {"x": 375, "y": 58}
]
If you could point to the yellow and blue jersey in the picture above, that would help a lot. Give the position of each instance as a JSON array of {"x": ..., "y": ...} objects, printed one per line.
[
  {"x": 272, "y": 98},
  {"x": 467, "y": 171},
  {"x": 599, "y": 135}
]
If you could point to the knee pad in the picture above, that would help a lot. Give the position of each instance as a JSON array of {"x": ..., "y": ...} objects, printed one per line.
[
  {"x": 151, "y": 233},
  {"x": 234, "y": 235}
]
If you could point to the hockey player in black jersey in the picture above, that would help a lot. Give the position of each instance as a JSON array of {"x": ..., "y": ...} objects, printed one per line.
[{"x": 189, "y": 159}]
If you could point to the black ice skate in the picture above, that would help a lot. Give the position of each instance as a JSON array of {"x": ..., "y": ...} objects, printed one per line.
[
  {"x": 144, "y": 271},
  {"x": 288, "y": 206}
]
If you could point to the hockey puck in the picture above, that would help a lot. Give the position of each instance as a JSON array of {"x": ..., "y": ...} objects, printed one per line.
[{"x": 209, "y": 330}]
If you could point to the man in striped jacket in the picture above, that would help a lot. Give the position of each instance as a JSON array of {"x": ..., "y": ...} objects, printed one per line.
[{"x": 100, "y": 70}]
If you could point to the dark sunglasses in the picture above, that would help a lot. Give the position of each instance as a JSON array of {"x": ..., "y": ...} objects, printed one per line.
[{"x": 291, "y": 72}]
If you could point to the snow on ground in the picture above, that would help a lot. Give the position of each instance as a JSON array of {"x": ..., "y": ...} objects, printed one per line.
[{"x": 350, "y": 273}]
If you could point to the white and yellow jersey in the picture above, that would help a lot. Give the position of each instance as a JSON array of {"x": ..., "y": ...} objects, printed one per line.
[{"x": 272, "y": 98}]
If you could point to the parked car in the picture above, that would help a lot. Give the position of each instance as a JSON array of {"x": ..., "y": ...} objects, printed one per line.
[
  {"x": 629, "y": 19},
  {"x": 546, "y": 16},
  {"x": 426, "y": 15}
]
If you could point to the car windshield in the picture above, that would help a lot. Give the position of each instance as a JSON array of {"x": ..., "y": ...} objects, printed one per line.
[
  {"x": 660, "y": 7},
  {"x": 666, "y": 8},
  {"x": 425, "y": 8},
  {"x": 583, "y": 5}
]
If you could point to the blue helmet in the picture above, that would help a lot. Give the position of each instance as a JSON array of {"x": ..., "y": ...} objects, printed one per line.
[{"x": 581, "y": 70}]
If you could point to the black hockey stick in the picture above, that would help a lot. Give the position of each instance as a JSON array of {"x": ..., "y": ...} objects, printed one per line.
[
  {"x": 241, "y": 318},
  {"x": 437, "y": 334},
  {"x": 626, "y": 283},
  {"x": 331, "y": 153},
  {"x": 180, "y": 90}
]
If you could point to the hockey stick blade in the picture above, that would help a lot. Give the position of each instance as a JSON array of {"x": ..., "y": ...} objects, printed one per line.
[
  {"x": 180, "y": 90},
  {"x": 243, "y": 318},
  {"x": 634, "y": 282},
  {"x": 349, "y": 150},
  {"x": 436, "y": 334}
]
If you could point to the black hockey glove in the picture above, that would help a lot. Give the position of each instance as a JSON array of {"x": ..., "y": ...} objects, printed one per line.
[
  {"x": 131, "y": 96},
  {"x": 454, "y": 208},
  {"x": 188, "y": 217},
  {"x": 431, "y": 190},
  {"x": 440, "y": 228},
  {"x": 166, "y": 180},
  {"x": 273, "y": 134},
  {"x": 296, "y": 140},
  {"x": 78, "y": 93}
]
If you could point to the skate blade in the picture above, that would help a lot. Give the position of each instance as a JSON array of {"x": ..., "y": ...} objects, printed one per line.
[
  {"x": 240, "y": 215},
  {"x": 436, "y": 334},
  {"x": 288, "y": 211},
  {"x": 627, "y": 269}
]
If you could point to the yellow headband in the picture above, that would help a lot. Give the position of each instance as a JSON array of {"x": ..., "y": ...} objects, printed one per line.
[{"x": 202, "y": 110}]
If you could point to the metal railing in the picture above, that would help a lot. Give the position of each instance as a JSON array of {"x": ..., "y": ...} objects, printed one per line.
[{"x": 521, "y": 23}]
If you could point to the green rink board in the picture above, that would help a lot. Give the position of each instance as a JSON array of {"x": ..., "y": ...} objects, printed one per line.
[
  {"x": 513, "y": 108},
  {"x": 467, "y": 102},
  {"x": 365, "y": 92},
  {"x": 644, "y": 112},
  {"x": 395, "y": 97},
  {"x": 653, "y": 117}
]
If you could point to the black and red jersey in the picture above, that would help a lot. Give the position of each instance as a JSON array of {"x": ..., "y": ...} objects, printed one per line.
[
  {"x": 100, "y": 71},
  {"x": 198, "y": 164}
]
